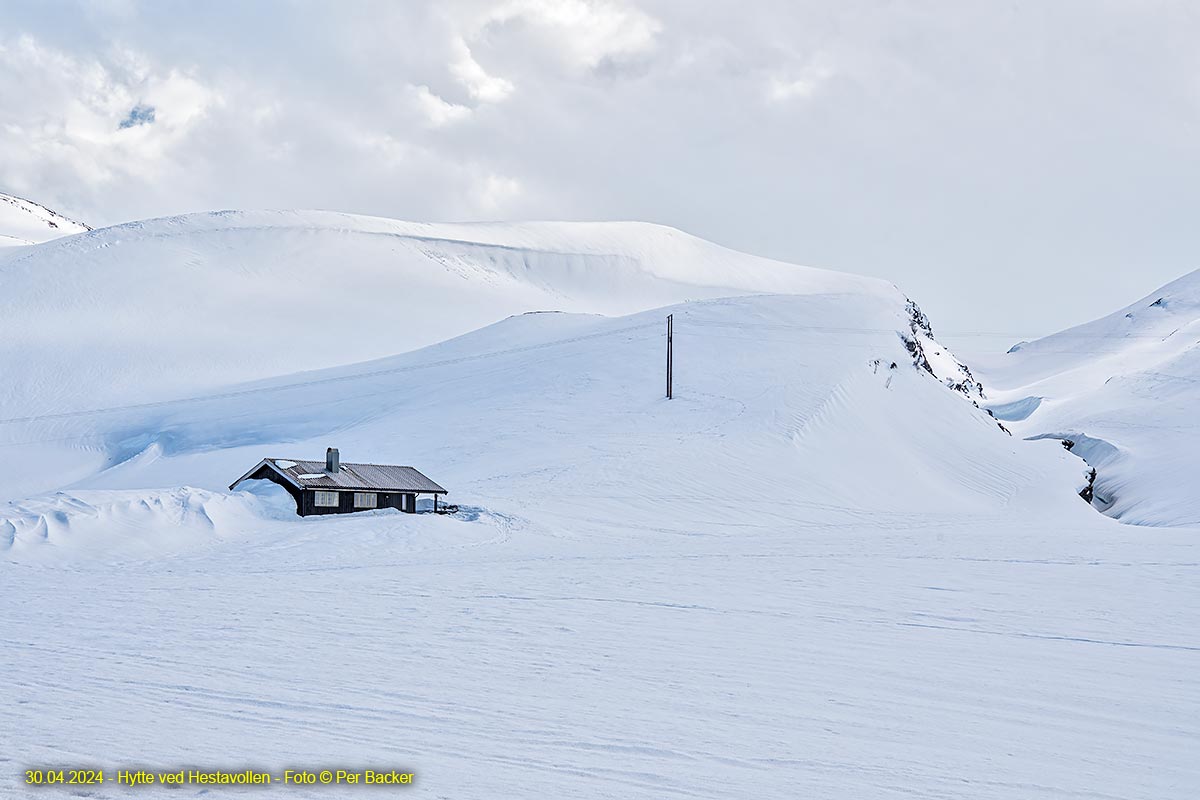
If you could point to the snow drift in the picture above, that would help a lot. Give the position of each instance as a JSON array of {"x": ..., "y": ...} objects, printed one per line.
[
  {"x": 780, "y": 399},
  {"x": 157, "y": 309},
  {"x": 1123, "y": 390}
]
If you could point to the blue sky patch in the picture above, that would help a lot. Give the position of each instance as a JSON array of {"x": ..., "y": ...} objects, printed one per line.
[{"x": 138, "y": 115}]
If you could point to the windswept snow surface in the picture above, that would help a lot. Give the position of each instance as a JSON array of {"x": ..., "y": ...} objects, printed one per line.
[
  {"x": 810, "y": 574},
  {"x": 1126, "y": 389},
  {"x": 157, "y": 310},
  {"x": 175, "y": 306},
  {"x": 26, "y": 222}
]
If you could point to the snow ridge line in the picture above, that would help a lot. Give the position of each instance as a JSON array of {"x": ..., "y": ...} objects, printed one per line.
[{"x": 16, "y": 200}]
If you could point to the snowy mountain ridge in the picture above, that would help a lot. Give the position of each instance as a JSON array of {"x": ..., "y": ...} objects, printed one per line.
[{"x": 25, "y": 222}]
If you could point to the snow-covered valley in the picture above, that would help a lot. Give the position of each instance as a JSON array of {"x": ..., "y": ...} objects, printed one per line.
[{"x": 817, "y": 571}]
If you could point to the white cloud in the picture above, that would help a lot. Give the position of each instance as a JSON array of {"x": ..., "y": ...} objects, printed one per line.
[
  {"x": 436, "y": 110},
  {"x": 476, "y": 189},
  {"x": 495, "y": 192},
  {"x": 801, "y": 85},
  {"x": 585, "y": 32},
  {"x": 387, "y": 151},
  {"x": 482, "y": 86},
  {"x": 71, "y": 110}
]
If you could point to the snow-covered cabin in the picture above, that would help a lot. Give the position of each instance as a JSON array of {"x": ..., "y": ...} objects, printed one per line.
[{"x": 336, "y": 488}]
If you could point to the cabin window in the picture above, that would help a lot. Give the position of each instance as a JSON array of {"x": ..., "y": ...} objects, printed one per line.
[
  {"x": 326, "y": 499},
  {"x": 365, "y": 500}
]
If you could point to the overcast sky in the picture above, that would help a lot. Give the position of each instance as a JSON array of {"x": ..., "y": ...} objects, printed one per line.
[{"x": 1014, "y": 166}]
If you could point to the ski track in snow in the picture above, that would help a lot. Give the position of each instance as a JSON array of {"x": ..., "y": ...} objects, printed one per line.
[{"x": 832, "y": 662}]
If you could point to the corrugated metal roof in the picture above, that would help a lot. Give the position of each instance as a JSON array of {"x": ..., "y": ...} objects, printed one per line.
[{"x": 380, "y": 477}]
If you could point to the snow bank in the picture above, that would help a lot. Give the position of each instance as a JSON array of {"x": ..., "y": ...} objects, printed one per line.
[
  {"x": 115, "y": 524},
  {"x": 97, "y": 527}
]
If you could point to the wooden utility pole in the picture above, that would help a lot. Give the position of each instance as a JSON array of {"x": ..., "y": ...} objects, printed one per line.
[{"x": 670, "y": 353}]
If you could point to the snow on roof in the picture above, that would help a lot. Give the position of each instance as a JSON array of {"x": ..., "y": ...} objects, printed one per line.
[{"x": 380, "y": 477}]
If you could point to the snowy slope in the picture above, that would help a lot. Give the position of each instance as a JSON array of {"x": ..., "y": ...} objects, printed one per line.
[
  {"x": 167, "y": 309},
  {"x": 782, "y": 376},
  {"x": 809, "y": 574},
  {"x": 1124, "y": 389},
  {"x": 26, "y": 222},
  {"x": 175, "y": 306}
]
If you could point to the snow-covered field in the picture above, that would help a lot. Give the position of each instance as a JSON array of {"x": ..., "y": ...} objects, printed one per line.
[{"x": 811, "y": 574}]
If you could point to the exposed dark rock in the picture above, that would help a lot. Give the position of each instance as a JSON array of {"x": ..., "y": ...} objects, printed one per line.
[
  {"x": 918, "y": 355},
  {"x": 1089, "y": 491},
  {"x": 918, "y": 318},
  {"x": 919, "y": 324}
]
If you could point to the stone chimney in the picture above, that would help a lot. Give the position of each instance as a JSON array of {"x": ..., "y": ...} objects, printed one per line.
[{"x": 332, "y": 461}]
